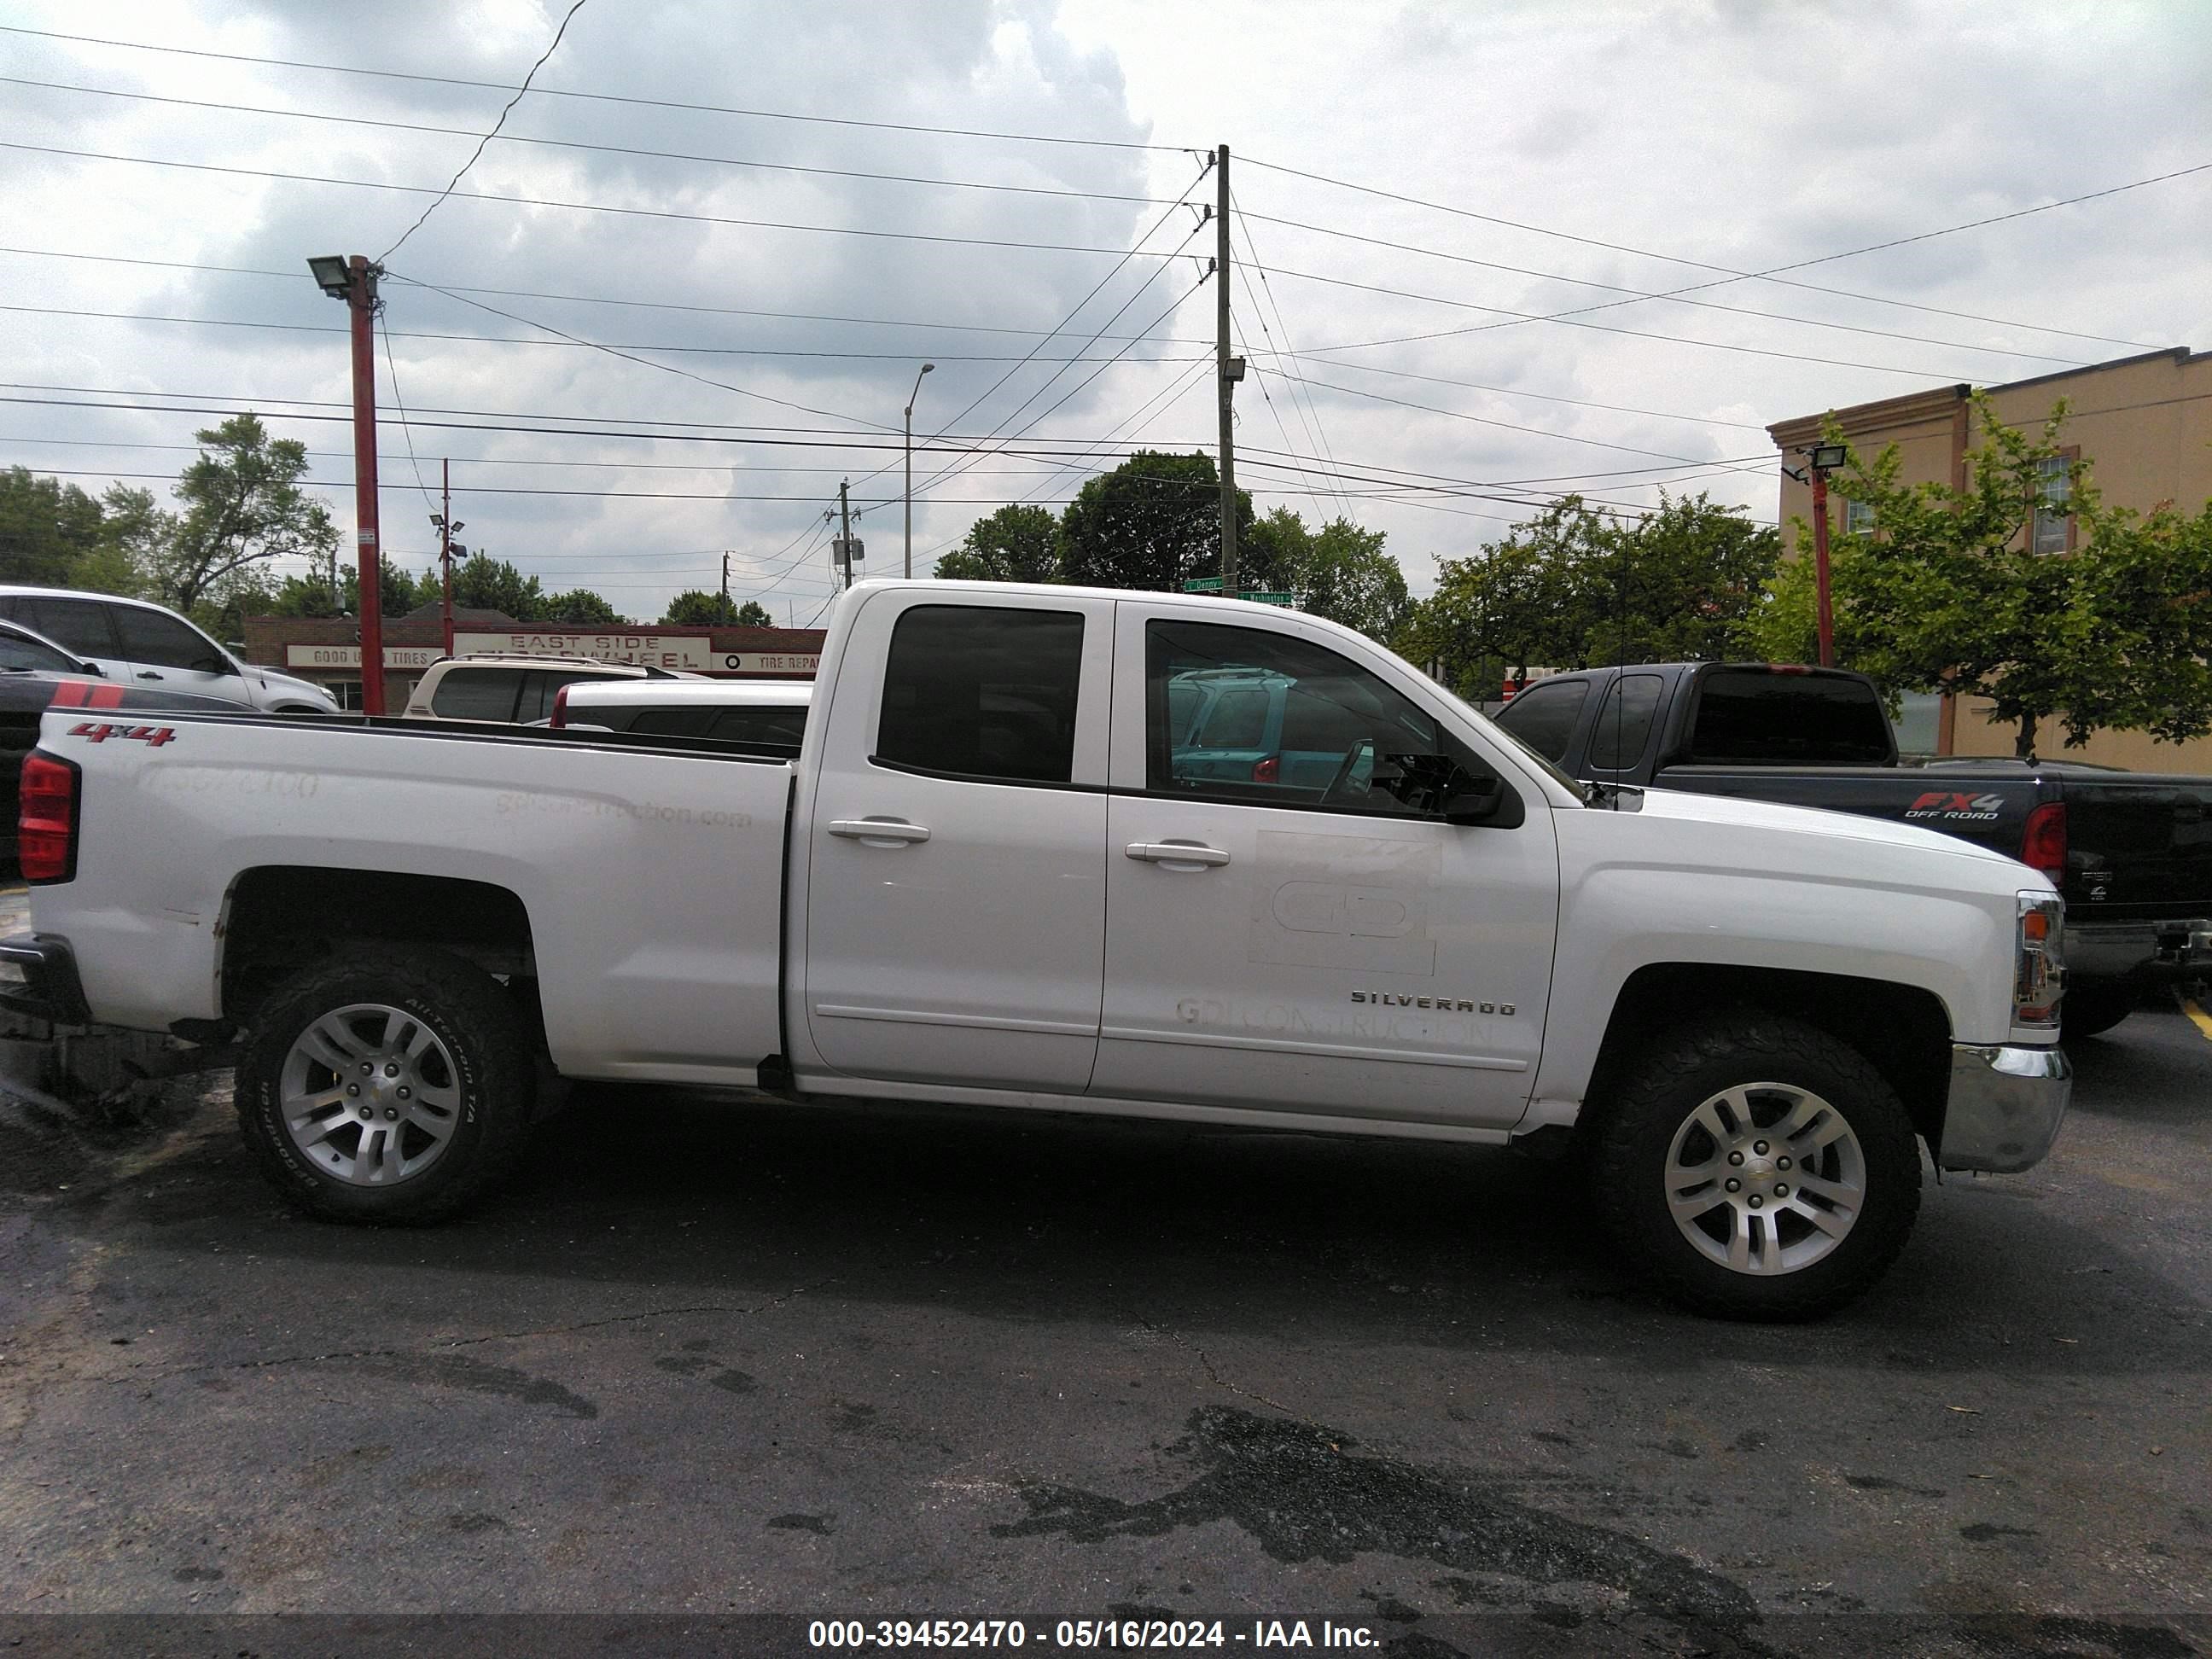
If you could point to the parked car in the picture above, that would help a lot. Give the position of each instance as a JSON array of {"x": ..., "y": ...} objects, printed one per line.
[
  {"x": 510, "y": 691},
  {"x": 990, "y": 878},
  {"x": 132, "y": 642},
  {"x": 729, "y": 711},
  {"x": 2131, "y": 852},
  {"x": 23, "y": 652}
]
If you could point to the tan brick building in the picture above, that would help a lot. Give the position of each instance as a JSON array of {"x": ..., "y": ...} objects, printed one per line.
[{"x": 2144, "y": 425}]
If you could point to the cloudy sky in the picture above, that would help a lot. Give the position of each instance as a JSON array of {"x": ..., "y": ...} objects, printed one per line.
[{"x": 1450, "y": 222}]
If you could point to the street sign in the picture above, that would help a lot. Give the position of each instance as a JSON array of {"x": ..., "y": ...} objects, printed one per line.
[
  {"x": 1202, "y": 584},
  {"x": 1257, "y": 596},
  {"x": 1260, "y": 597}
]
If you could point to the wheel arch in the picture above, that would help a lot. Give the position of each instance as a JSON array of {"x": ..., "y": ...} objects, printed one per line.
[
  {"x": 278, "y": 919},
  {"x": 1903, "y": 1031}
]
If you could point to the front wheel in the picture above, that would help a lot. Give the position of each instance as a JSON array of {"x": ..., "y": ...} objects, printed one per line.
[
  {"x": 1759, "y": 1167},
  {"x": 385, "y": 1086}
]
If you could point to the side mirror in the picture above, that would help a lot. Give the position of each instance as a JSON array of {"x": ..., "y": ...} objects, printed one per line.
[
  {"x": 92, "y": 668},
  {"x": 1473, "y": 801},
  {"x": 213, "y": 665}
]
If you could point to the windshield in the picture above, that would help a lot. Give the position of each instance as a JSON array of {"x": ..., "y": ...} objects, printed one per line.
[{"x": 1580, "y": 791}]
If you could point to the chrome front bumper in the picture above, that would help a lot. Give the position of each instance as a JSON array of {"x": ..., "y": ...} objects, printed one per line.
[
  {"x": 2179, "y": 948},
  {"x": 2005, "y": 1109}
]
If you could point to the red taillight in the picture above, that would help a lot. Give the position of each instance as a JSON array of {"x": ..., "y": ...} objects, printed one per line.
[
  {"x": 560, "y": 707},
  {"x": 45, "y": 822},
  {"x": 1269, "y": 770},
  {"x": 2044, "y": 847}
]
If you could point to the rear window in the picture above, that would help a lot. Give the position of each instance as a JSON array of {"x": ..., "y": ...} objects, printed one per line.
[
  {"x": 982, "y": 692},
  {"x": 476, "y": 694},
  {"x": 735, "y": 723},
  {"x": 1543, "y": 717},
  {"x": 1753, "y": 717}
]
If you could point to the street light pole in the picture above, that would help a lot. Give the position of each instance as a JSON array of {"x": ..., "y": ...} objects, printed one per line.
[
  {"x": 352, "y": 279},
  {"x": 446, "y": 545},
  {"x": 911, "y": 399}
]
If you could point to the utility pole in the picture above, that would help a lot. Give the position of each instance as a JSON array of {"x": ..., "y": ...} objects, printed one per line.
[
  {"x": 1229, "y": 371},
  {"x": 446, "y": 544},
  {"x": 845, "y": 528},
  {"x": 725, "y": 584},
  {"x": 360, "y": 300}
]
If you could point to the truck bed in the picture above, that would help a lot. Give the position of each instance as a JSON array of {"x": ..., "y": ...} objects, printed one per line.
[{"x": 658, "y": 862}]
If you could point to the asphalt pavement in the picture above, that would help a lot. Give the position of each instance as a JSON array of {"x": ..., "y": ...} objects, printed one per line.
[{"x": 711, "y": 1357}]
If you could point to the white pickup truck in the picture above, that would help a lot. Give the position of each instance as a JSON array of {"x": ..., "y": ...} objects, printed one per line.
[{"x": 1057, "y": 849}]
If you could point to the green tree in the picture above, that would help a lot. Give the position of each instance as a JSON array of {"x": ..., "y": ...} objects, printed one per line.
[
  {"x": 697, "y": 608},
  {"x": 580, "y": 607},
  {"x": 753, "y": 614},
  {"x": 1946, "y": 594},
  {"x": 131, "y": 531},
  {"x": 1339, "y": 571},
  {"x": 1520, "y": 602},
  {"x": 484, "y": 583},
  {"x": 1153, "y": 522},
  {"x": 1018, "y": 543},
  {"x": 46, "y": 527},
  {"x": 242, "y": 506}
]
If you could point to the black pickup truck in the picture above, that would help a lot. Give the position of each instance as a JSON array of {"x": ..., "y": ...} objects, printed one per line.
[{"x": 2130, "y": 852}]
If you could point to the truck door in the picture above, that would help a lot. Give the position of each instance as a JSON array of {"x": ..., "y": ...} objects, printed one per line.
[
  {"x": 956, "y": 889},
  {"x": 1313, "y": 937}
]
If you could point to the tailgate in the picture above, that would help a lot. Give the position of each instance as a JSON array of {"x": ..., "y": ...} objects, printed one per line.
[{"x": 2141, "y": 847}]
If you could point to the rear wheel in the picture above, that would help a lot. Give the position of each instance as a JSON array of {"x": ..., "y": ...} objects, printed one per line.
[
  {"x": 2088, "y": 1011},
  {"x": 1760, "y": 1167},
  {"x": 385, "y": 1086}
]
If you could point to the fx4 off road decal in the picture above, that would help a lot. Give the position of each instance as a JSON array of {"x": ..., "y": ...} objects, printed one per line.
[
  {"x": 1949, "y": 808},
  {"x": 99, "y": 731}
]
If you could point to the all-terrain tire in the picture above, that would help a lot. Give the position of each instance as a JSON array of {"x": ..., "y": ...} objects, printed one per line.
[
  {"x": 477, "y": 1060},
  {"x": 1645, "y": 1147}
]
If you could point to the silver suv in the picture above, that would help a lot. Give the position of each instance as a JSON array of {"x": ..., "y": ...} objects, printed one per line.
[
  {"x": 491, "y": 687},
  {"x": 133, "y": 642}
]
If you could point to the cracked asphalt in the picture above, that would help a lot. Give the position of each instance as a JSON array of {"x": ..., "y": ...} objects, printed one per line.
[{"x": 709, "y": 1357}]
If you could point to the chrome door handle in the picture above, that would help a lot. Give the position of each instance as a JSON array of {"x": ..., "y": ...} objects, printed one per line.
[
  {"x": 1175, "y": 852},
  {"x": 877, "y": 830}
]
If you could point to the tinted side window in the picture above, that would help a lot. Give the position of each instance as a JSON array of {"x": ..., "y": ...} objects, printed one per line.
[
  {"x": 1753, "y": 717},
  {"x": 1348, "y": 740},
  {"x": 983, "y": 691},
  {"x": 476, "y": 694},
  {"x": 687, "y": 721},
  {"x": 759, "y": 723},
  {"x": 1623, "y": 722},
  {"x": 79, "y": 624},
  {"x": 16, "y": 652},
  {"x": 150, "y": 637},
  {"x": 1543, "y": 717},
  {"x": 1239, "y": 719}
]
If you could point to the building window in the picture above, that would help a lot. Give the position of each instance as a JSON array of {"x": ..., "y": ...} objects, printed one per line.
[
  {"x": 1858, "y": 518},
  {"x": 348, "y": 693},
  {"x": 2052, "y": 531}
]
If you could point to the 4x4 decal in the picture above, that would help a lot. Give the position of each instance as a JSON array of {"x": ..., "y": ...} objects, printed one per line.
[{"x": 101, "y": 732}]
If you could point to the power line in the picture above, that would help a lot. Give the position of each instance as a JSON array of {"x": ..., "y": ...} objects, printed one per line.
[
  {"x": 501, "y": 339},
  {"x": 1772, "y": 274},
  {"x": 601, "y": 149},
  {"x": 1539, "y": 396},
  {"x": 1571, "y": 321},
  {"x": 1483, "y": 420},
  {"x": 573, "y": 207},
  {"x": 598, "y": 97},
  {"x": 1635, "y": 294},
  {"x": 588, "y": 299},
  {"x": 505, "y": 109},
  {"x": 1310, "y": 406}
]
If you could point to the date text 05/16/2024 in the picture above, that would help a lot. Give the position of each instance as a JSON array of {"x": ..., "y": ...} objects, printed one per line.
[{"x": 1085, "y": 1633}]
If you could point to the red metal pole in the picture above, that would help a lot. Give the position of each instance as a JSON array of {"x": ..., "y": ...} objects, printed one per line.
[
  {"x": 446, "y": 544},
  {"x": 361, "y": 303},
  {"x": 1820, "y": 566}
]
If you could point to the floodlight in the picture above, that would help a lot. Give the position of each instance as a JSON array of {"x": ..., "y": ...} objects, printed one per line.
[{"x": 331, "y": 275}]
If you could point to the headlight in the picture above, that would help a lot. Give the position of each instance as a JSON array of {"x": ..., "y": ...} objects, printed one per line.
[{"x": 2039, "y": 961}]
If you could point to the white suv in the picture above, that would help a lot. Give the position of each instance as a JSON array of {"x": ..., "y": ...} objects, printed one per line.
[
  {"x": 133, "y": 642},
  {"x": 520, "y": 689}
]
